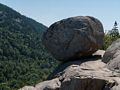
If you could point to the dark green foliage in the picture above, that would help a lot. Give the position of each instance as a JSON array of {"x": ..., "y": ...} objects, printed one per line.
[
  {"x": 16, "y": 74},
  {"x": 114, "y": 33},
  {"x": 23, "y": 59},
  {"x": 107, "y": 41},
  {"x": 111, "y": 36}
]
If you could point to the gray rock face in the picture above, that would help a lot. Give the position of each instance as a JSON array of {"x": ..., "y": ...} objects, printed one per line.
[
  {"x": 115, "y": 87},
  {"x": 74, "y": 37},
  {"x": 49, "y": 85},
  {"x": 112, "y": 56},
  {"x": 57, "y": 72},
  {"x": 77, "y": 75},
  {"x": 28, "y": 88},
  {"x": 53, "y": 84},
  {"x": 90, "y": 75}
]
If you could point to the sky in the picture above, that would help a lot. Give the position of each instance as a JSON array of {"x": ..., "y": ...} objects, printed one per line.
[{"x": 50, "y": 11}]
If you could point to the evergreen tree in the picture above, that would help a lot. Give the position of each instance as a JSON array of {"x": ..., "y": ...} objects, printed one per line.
[
  {"x": 111, "y": 36},
  {"x": 114, "y": 33}
]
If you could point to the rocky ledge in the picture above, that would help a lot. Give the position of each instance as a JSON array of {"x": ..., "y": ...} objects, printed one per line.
[{"x": 77, "y": 75}]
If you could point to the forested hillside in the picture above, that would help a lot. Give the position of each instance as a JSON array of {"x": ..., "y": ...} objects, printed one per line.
[{"x": 23, "y": 59}]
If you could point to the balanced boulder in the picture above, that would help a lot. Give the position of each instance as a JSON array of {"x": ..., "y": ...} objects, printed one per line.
[{"x": 74, "y": 37}]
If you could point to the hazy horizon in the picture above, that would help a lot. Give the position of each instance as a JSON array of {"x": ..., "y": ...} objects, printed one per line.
[{"x": 48, "y": 12}]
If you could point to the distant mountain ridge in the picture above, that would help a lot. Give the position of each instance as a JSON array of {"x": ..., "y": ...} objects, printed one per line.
[
  {"x": 23, "y": 59},
  {"x": 18, "y": 31},
  {"x": 13, "y": 18}
]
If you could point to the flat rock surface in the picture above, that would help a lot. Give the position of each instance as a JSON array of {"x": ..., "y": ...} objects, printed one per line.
[{"x": 77, "y": 75}]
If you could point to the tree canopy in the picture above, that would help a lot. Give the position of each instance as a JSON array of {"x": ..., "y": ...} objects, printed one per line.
[{"x": 111, "y": 35}]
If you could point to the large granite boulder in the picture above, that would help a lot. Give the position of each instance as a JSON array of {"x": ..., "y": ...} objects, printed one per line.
[
  {"x": 74, "y": 37},
  {"x": 112, "y": 56}
]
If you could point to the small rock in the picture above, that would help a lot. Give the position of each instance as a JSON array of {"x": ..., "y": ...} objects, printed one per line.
[
  {"x": 28, "y": 88},
  {"x": 53, "y": 84},
  {"x": 99, "y": 53}
]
